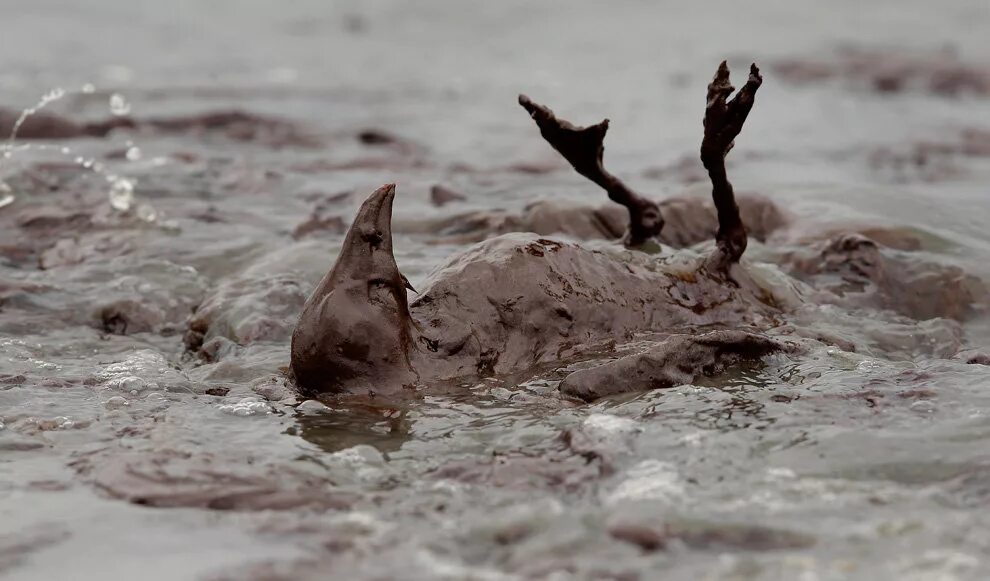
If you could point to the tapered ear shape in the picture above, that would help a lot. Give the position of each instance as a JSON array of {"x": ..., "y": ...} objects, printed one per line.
[
  {"x": 355, "y": 329},
  {"x": 584, "y": 148}
]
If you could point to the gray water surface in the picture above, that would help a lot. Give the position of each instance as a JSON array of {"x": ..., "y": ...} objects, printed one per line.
[{"x": 117, "y": 462}]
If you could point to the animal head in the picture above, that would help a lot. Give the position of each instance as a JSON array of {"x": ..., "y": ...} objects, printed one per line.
[{"x": 355, "y": 330}]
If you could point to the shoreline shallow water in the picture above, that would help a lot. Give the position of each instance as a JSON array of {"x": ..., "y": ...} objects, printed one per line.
[{"x": 122, "y": 455}]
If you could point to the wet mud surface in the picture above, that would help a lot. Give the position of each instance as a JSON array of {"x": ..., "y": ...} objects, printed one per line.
[{"x": 146, "y": 423}]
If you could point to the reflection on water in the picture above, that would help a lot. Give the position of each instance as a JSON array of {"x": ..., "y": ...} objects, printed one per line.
[{"x": 336, "y": 428}]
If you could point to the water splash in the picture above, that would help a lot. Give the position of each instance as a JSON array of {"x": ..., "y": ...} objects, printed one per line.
[
  {"x": 121, "y": 193},
  {"x": 133, "y": 152},
  {"x": 147, "y": 213},
  {"x": 6, "y": 195},
  {"x": 119, "y": 105},
  {"x": 46, "y": 99}
]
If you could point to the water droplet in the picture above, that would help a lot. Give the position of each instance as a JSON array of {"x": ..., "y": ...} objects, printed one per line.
[
  {"x": 147, "y": 213},
  {"x": 88, "y": 88},
  {"x": 79, "y": 160},
  {"x": 53, "y": 95},
  {"x": 119, "y": 105},
  {"x": 122, "y": 194},
  {"x": 66, "y": 151},
  {"x": 6, "y": 199},
  {"x": 133, "y": 153}
]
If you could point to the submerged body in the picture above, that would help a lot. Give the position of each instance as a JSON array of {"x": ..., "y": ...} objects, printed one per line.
[
  {"x": 521, "y": 300},
  {"x": 517, "y": 301},
  {"x": 503, "y": 305}
]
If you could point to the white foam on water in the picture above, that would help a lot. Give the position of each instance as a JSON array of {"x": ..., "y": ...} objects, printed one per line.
[
  {"x": 248, "y": 406},
  {"x": 448, "y": 569},
  {"x": 121, "y": 194},
  {"x": 6, "y": 195},
  {"x": 650, "y": 480},
  {"x": 607, "y": 424},
  {"x": 142, "y": 371}
]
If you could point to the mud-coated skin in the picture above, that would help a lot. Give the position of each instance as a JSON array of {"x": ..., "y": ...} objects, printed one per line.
[
  {"x": 584, "y": 148},
  {"x": 355, "y": 331},
  {"x": 866, "y": 273},
  {"x": 724, "y": 119},
  {"x": 503, "y": 305},
  {"x": 243, "y": 311},
  {"x": 677, "y": 360},
  {"x": 518, "y": 300}
]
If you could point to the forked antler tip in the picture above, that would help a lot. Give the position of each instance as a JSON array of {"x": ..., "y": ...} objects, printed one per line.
[
  {"x": 720, "y": 84},
  {"x": 754, "y": 74},
  {"x": 583, "y": 147},
  {"x": 723, "y": 122},
  {"x": 723, "y": 71},
  {"x": 536, "y": 111}
]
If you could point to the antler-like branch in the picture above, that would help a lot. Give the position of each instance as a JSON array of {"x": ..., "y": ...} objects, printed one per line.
[
  {"x": 583, "y": 148},
  {"x": 723, "y": 122}
]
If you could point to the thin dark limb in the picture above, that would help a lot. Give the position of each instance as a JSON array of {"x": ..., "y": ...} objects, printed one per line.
[
  {"x": 723, "y": 122},
  {"x": 583, "y": 148}
]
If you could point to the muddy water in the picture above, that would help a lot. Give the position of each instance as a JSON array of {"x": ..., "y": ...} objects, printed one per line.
[{"x": 122, "y": 456}]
